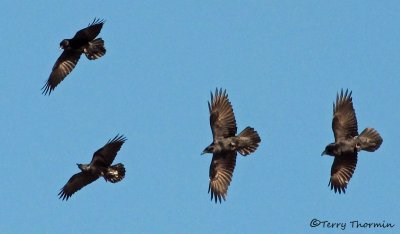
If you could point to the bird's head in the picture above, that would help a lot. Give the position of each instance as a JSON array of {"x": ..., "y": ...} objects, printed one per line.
[
  {"x": 329, "y": 150},
  {"x": 83, "y": 167},
  {"x": 208, "y": 149},
  {"x": 64, "y": 44}
]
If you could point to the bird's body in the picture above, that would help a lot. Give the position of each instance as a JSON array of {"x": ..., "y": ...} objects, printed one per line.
[
  {"x": 221, "y": 145},
  {"x": 238, "y": 143},
  {"x": 347, "y": 142},
  {"x": 226, "y": 144},
  {"x": 342, "y": 147},
  {"x": 85, "y": 42},
  {"x": 100, "y": 166},
  {"x": 110, "y": 174}
]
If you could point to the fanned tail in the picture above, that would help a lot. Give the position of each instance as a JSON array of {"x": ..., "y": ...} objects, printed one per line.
[
  {"x": 95, "y": 49},
  {"x": 248, "y": 141},
  {"x": 369, "y": 140},
  {"x": 115, "y": 173}
]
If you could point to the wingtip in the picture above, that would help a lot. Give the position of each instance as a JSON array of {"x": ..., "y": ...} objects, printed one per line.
[
  {"x": 97, "y": 20},
  {"x": 46, "y": 89},
  {"x": 218, "y": 93},
  {"x": 118, "y": 137},
  {"x": 216, "y": 197},
  {"x": 337, "y": 189},
  {"x": 344, "y": 93},
  {"x": 63, "y": 196}
]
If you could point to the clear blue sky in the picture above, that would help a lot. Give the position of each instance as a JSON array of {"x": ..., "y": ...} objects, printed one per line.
[{"x": 282, "y": 65}]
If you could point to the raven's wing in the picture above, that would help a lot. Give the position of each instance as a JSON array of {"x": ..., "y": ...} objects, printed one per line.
[
  {"x": 75, "y": 183},
  {"x": 106, "y": 155},
  {"x": 344, "y": 123},
  {"x": 90, "y": 32},
  {"x": 222, "y": 119},
  {"x": 63, "y": 66},
  {"x": 341, "y": 172},
  {"x": 221, "y": 170}
]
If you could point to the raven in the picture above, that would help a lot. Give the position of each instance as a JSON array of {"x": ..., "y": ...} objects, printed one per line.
[
  {"x": 99, "y": 166},
  {"x": 83, "y": 42},
  {"x": 226, "y": 144},
  {"x": 347, "y": 142}
]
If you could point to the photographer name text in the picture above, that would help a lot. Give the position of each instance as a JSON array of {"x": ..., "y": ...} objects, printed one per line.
[{"x": 356, "y": 224}]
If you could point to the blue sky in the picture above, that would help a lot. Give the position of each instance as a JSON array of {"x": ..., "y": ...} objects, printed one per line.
[{"x": 282, "y": 65}]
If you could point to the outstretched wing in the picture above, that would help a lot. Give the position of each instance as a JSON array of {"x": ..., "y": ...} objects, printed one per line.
[
  {"x": 90, "y": 32},
  {"x": 63, "y": 66},
  {"x": 221, "y": 170},
  {"x": 222, "y": 119},
  {"x": 342, "y": 171},
  {"x": 75, "y": 183},
  {"x": 106, "y": 155},
  {"x": 344, "y": 123}
]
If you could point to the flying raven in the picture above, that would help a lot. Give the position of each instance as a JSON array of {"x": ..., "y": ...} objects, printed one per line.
[
  {"x": 347, "y": 142},
  {"x": 83, "y": 42},
  {"x": 226, "y": 144},
  {"x": 99, "y": 166}
]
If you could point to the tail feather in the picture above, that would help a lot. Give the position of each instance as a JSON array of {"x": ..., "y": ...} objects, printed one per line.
[
  {"x": 115, "y": 173},
  {"x": 248, "y": 141},
  {"x": 95, "y": 49},
  {"x": 369, "y": 140}
]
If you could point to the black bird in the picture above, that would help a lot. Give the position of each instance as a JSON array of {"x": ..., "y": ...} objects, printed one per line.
[
  {"x": 83, "y": 42},
  {"x": 226, "y": 144},
  {"x": 347, "y": 142},
  {"x": 100, "y": 166}
]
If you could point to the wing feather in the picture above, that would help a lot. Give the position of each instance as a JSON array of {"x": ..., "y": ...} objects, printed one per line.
[
  {"x": 75, "y": 183},
  {"x": 63, "y": 66},
  {"x": 344, "y": 123},
  {"x": 106, "y": 155},
  {"x": 222, "y": 118},
  {"x": 90, "y": 32},
  {"x": 221, "y": 171},
  {"x": 341, "y": 172}
]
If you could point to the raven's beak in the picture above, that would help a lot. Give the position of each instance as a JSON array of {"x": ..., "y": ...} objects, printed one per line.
[
  {"x": 204, "y": 152},
  {"x": 323, "y": 153}
]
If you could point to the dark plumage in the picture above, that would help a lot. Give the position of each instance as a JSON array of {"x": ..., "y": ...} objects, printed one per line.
[
  {"x": 100, "y": 166},
  {"x": 347, "y": 142},
  {"x": 83, "y": 42},
  {"x": 226, "y": 144}
]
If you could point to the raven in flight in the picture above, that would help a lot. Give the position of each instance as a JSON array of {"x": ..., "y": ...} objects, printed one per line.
[
  {"x": 99, "y": 166},
  {"x": 83, "y": 42},
  {"x": 226, "y": 144},
  {"x": 347, "y": 142}
]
